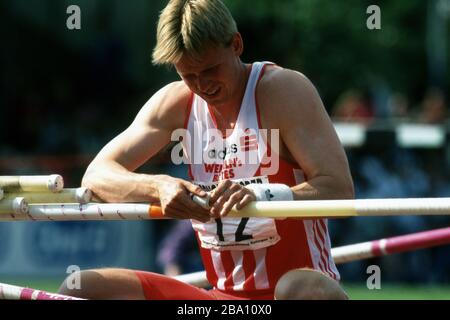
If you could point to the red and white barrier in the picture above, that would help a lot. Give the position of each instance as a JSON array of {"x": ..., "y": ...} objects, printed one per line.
[
  {"x": 10, "y": 292},
  {"x": 381, "y": 247}
]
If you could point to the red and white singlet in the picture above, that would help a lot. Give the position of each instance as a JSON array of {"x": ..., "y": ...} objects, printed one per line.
[{"x": 247, "y": 256}]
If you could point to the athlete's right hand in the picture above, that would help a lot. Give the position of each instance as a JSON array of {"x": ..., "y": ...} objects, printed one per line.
[{"x": 176, "y": 202}]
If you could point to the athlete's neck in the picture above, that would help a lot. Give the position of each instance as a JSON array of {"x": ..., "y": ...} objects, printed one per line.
[{"x": 227, "y": 113}]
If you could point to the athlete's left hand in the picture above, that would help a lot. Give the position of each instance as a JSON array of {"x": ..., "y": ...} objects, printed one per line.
[{"x": 228, "y": 194}]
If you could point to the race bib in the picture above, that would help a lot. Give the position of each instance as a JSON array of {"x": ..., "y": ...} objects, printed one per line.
[{"x": 236, "y": 233}]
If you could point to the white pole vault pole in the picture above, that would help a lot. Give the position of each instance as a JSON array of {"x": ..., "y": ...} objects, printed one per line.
[{"x": 267, "y": 209}]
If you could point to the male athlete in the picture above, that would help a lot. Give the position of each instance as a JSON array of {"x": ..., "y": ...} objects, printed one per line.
[{"x": 253, "y": 132}]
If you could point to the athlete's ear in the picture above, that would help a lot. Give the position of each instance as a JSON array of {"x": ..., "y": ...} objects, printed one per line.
[{"x": 237, "y": 44}]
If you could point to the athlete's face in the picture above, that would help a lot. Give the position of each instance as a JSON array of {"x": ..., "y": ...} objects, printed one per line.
[{"x": 215, "y": 75}]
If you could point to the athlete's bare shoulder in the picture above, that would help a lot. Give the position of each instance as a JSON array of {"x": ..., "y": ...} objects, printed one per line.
[
  {"x": 281, "y": 82},
  {"x": 167, "y": 107},
  {"x": 285, "y": 92}
]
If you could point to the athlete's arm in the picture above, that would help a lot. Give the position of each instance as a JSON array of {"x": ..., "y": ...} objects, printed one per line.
[
  {"x": 290, "y": 103},
  {"x": 110, "y": 175}
]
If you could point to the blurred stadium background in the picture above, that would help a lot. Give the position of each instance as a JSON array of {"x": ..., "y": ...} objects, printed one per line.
[{"x": 64, "y": 94}]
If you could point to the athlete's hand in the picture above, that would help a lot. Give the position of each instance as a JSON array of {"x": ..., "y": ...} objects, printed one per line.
[
  {"x": 228, "y": 194},
  {"x": 176, "y": 202}
]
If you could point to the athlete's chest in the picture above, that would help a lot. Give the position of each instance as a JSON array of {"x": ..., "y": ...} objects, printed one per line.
[{"x": 270, "y": 127}]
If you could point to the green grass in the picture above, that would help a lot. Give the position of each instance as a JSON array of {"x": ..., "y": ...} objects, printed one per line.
[
  {"x": 398, "y": 292},
  {"x": 355, "y": 291},
  {"x": 50, "y": 285}
]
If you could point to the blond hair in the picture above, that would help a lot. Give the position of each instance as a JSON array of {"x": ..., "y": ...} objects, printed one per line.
[{"x": 188, "y": 26}]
